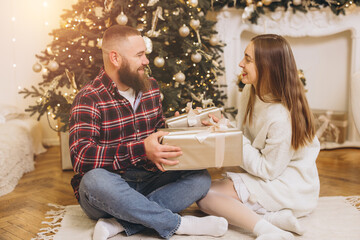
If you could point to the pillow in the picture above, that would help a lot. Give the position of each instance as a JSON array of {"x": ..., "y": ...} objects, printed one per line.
[{"x": 8, "y": 112}]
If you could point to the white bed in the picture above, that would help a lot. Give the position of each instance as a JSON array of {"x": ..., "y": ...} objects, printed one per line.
[{"x": 20, "y": 141}]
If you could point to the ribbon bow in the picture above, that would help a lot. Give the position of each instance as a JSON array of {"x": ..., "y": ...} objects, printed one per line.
[{"x": 327, "y": 126}]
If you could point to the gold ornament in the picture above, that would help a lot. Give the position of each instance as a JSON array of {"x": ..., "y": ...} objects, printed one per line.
[
  {"x": 196, "y": 57},
  {"x": 122, "y": 19},
  {"x": 71, "y": 78},
  {"x": 108, "y": 5},
  {"x": 266, "y": 2},
  {"x": 297, "y": 2},
  {"x": 184, "y": 31},
  {"x": 159, "y": 62},
  {"x": 37, "y": 67},
  {"x": 259, "y": 4},
  {"x": 193, "y": 3},
  {"x": 195, "y": 24},
  {"x": 156, "y": 15},
  {"x": 248, "y": 2},
  {"x": 53, "y": 66},
  {"x": 179, "y": 77},
  {"x": 214, "y": 40}
]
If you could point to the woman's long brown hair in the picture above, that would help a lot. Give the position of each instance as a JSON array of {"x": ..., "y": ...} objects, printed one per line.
[{"x": 279, "y": 81}]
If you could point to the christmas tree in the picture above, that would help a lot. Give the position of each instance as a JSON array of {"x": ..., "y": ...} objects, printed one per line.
[{"x": 181, "y": 44}]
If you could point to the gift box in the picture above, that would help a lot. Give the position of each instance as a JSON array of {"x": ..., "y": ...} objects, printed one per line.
[
  {"x": 193, "y": 118},
  {"x": 331, "y": 126},
  {"x": 205, "y": 147}
]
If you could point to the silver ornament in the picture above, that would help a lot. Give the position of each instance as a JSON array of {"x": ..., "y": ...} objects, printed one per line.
[
  {"x": 195, "y": 23},
  {"x": 184, "y": 31},
  {"x": 179, "y": 77},
  {"x": 214, "y": 40},
  {"x": 53, "y": 66},
  {"x": 196, "y": 57},
  {"x": 159, "y": 62},
  {"x": 37, "y": 67},
  {"x": 193, "y": 3},
  {"x": 122, "y": 19}
]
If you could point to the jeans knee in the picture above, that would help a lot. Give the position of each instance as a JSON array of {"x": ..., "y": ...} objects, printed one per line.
[
  {"x": 93, "y": 180},
  {"x": 202, "y": 182}
]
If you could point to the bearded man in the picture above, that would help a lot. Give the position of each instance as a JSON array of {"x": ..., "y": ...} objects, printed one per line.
[{"x": 116, "y": 155}]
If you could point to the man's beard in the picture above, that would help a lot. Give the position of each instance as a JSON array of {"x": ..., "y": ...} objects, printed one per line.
[{"x": 138, "y": 82}]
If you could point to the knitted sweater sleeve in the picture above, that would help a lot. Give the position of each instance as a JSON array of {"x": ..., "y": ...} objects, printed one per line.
[{"x": 268, "y": 155}]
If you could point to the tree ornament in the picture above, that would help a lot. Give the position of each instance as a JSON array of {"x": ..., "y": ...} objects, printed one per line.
[
  {"x": 184, "y": 31},
  {"x": 152, "y": 3},
  {"x": 297, "y": 2},
  {"x": 214, "y": 40},
  {"x": 53, "y": 66},
  {"x": 193, "y": 3},
  {"x": 37, "y": 67},
  {"x": 99, "y": 43},
  {"x": 248, "y": 2},
  {"x": 122, "y": 19},
  {"x": 259, "y": 4},
  {"x": 196, "y": 57},
  {"x": 156, "y": 15},
  {"x": 266, "y": 2},
  {"x": 148, "y": 44},
  {"x": 159, "y": 62},
  {"x": 108, "y": 5},
  {"x": 161, "y": 96},
  {"x": 195, "y": 24},
  {"x": 180, "y": 77}
]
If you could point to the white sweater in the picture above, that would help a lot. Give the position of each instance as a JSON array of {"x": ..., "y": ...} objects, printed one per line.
[{"x": 277, "y": 176}]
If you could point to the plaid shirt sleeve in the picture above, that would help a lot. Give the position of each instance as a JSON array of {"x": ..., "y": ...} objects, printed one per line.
[{"x": 86, "y": 152}]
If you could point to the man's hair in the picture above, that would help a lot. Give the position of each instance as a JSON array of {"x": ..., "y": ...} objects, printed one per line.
[
  {"x": 116, "y": 34},
  {"x": 277, "y": 75}
]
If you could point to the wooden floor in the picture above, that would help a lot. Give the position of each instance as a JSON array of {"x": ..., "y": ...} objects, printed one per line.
[{"x": 22, "y": 210}]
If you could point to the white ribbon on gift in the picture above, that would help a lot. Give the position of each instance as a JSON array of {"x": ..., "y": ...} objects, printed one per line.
[{"x": 220, "y": 126}]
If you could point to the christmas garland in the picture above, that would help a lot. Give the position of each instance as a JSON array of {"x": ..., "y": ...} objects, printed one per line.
[{"x": 253, "y": 8}]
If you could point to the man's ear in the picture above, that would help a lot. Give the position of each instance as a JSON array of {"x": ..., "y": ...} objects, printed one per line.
[{"x": 115, "y": 58}]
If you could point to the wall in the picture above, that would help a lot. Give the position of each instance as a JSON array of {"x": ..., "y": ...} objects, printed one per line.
[{"x": 25, "y": 25}]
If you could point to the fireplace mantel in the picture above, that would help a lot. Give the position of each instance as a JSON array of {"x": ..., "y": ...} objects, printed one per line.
[{"x": 314, "y": 23}]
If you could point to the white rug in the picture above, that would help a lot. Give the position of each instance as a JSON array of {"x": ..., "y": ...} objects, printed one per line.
[{"x": 335, "y": 218}]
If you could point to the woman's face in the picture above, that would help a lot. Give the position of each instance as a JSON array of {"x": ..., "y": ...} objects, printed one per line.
[{"x": 249, "y": 73}]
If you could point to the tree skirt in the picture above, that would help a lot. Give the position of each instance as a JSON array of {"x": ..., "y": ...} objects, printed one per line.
[{"x": 334, "y": 218}]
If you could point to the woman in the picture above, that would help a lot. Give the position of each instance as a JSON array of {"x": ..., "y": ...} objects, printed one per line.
[{"x": 280, "y": 147}]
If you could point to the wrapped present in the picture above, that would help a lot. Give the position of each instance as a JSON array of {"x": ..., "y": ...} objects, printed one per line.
[
  {"x": 205, "y": 147},
  {"x": 193, "y": 118},
  {"x": 331, "y": 126}
]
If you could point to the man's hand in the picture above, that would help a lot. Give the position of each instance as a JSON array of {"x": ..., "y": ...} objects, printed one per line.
[{"x": 158, "y": 153}]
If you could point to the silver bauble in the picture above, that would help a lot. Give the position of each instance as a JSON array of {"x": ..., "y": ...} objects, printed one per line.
[
  {"x": 184, "y": 31},
  {"x": 122, "y": 19},
  {"x": 213, "y": 40},
  {"x": 195, "y": 23},
  {"x": 180, "y": 77},
  {"x": 159, "y": 62},
  {"x": 193, "y": 3},
  {"x": 37, "y": 67},
  {"x": 53, "y": 66},
  {"x": 196, "y": 57}
]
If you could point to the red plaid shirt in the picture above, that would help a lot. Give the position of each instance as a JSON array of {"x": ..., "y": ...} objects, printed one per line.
[{"x": 105, "y": 131}]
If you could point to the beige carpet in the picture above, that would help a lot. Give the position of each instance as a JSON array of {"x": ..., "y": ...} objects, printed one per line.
[{"x": 335, "y": 218}]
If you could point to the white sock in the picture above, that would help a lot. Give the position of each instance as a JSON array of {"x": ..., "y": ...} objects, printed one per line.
[
  {"x": 285, "y": 220},
  {"x": 209, "y": 225},
  {"x": 106, "y": 227},
  {"x": 265, "y": 230}
]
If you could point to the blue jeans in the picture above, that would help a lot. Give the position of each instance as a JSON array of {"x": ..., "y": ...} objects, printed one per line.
[{"x": 140, "y": 199}]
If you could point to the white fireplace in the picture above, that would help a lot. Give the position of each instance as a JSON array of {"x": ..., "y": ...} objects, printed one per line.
[{"x": 326, "y": 48}]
